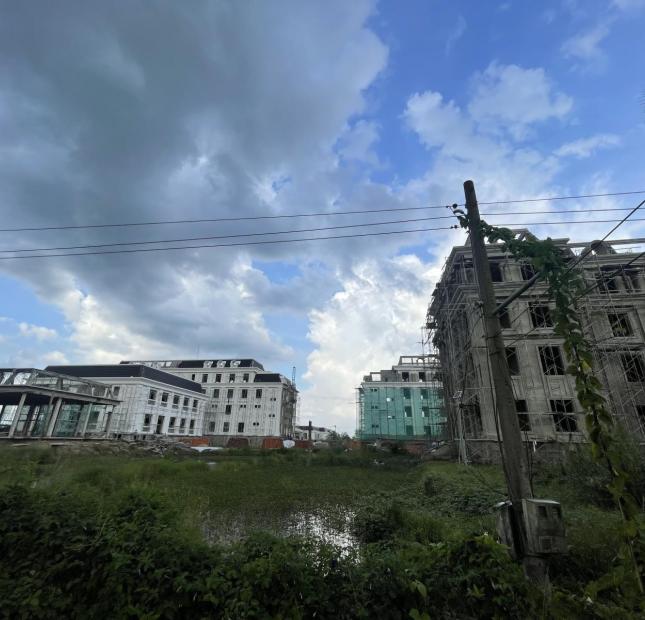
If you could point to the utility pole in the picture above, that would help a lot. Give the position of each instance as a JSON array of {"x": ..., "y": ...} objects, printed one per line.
[
  {"x": 515, "y": 462},
  {"x": 515, "y": 465}
]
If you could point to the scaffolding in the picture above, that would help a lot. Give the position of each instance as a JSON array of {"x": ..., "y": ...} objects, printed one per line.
[
  {"x": 405, "y": 403},
  {"x": 613, "y": 316}
]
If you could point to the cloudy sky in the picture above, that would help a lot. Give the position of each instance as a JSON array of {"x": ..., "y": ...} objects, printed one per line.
[{"x": 122, "y": 112}]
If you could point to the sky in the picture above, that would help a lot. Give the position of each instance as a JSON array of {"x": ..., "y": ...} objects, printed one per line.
[{"x": 115, "y": 113}]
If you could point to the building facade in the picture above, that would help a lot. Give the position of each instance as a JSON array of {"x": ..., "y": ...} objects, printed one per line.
[
  {"x": 40, "y": 404},
  {"x": 613, "y": 315},
  {"x": 402, "y": 403},
  {"x": 151, "y": 402},
  {"x": 242, "y": 398}
]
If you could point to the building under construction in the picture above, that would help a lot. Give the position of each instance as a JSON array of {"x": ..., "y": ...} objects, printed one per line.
[
  {"x": 550, "y": 416},
  {"x": 404, "y": 403}
]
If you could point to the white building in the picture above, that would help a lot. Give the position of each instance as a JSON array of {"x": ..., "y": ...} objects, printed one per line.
[
  {"x": 243, "y": 399},
  {"x": 153, "y": 402},
  {"x": 318, "y": 433}
]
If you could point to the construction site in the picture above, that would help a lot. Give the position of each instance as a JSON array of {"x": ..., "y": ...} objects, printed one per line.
[
  {"x": 403, "y": 404},
  {"x": 550, "y": 417}
]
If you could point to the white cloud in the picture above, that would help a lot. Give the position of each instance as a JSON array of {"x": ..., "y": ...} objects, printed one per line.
[
  {"x": 628, "y": 5},
  {"x": 585, "y": 147},
  {"x": 585, "y": 47},
  {"x": 509, "y": 98},
  {"x": 54, "y": 357},
  {"x": 456, "y": 34},
  {"x": 37, "y": 331},
  {"x": 358, "y": 142},
  {"x": 375, "y": 318}
]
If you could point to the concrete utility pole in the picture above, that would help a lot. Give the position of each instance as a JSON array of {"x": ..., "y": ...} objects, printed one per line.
[
  {"x": 515, "y": 463},
  {"x": 515, "y": 466}
]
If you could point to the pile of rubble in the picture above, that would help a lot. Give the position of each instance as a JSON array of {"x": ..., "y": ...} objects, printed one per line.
[{"x": 154, "y": 447}]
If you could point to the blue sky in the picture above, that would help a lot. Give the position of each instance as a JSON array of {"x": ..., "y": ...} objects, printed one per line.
[{"x": 226, "y": 109}]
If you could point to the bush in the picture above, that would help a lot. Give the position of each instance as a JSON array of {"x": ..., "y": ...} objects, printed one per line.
[{"x": 61, "y": 557}]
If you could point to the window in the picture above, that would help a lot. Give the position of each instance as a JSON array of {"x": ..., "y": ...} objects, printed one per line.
[
  {"x": 540, "y": 315},
  {"x": 425, "y": 411},
  {"x": 175, "y": 402},
  {"x": 408, "y": 411},
  {"x": 227, "y": 410},
  {"x": 562, "y": 418},
  {"x": 192, "y": 426},
  {"x": 551, "y": 360},
  {"x": 504, "y": 318},
  {"x": 164, "y": 398},
  {"x": 425, "y": 394},
  {"x": 195, "y": 403},
  {"x": 204, "y": 378},
  {"x": 240, "y": 427},
  {"x": 405, "y": 376},
  {"x": 171, "y": 425},
  {"x": 523, "y": 415},
  {"x": 632, "y": 281},
  {"x": 620, "y": 326},
  {"x": 152, "y": 395},
  {"x": 218, "y": 378},
  {"x": 186, "y": 402},
  {"x": 182, "y": 425},
  {"x": 256, "y": 424},
  {"x": 147, "y": 419},
  {"x": 229, "y": 393},
  {"x": 496, "y": 272},
  {"x": 115, "y": 390},
  {"x": 409, "y": 430},
  {"x": 245, "y": 394},
  {"x": 512, "y": 361},
  {"x": 242, "y": 406},
  {"x": 528, "y": 271},
  {"x": 258, "y": 393},
  {"x": 193, "y": 377},
  {"x": 226, "y": 427},
  {"x": 633, "y": 367},
  {"x": 607, "y": 284},
  {"x": 211, "y": 427},
  {"x": 406, "y": 392},
  {"x": 231, "y": 378},
  {"x": 258, "y": 406},
  {"x": 216, "y": 393},
  {"x": 422, "y": 376},
  {"x": 245, "y": 377}
]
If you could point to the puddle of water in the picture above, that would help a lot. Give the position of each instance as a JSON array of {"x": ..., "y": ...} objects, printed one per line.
[{"x": 331, "y": 525}]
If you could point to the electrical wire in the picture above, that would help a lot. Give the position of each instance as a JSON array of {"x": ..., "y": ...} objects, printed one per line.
[
  {"x": 301, "y": 230},
  {"x": 296, "y": 215}
]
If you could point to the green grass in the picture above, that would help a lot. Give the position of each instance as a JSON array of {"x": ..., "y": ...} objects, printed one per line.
[{"x": 246, "y": 490}]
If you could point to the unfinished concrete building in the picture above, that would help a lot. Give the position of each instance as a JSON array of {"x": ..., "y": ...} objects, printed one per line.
[{"x": 550, "y": 416}]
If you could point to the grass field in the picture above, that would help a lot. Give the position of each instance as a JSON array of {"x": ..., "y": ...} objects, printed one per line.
[
  {"x": 224, "y": 496},
  {"x": 177, "y": 532}
]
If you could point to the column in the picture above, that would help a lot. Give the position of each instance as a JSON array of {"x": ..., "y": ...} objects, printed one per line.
[
  {"x": 89, "y": 407},
  {"x": 54, "y": 418},
  {"x": 14, "y": 422}
]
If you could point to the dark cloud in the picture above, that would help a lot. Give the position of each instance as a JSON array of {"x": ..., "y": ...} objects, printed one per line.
[{"x": 113, "y": 112}]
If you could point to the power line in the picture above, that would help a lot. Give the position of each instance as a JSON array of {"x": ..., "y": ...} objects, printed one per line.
[
  {"x": 584, "y": 254},
  {"x": 225, "y": 245},
  {"x": 580, "y": 196},
  {"x": 296, "y": 215},
  {"x": 275, "y": 241},
  {"x": 284, "y": 232}
]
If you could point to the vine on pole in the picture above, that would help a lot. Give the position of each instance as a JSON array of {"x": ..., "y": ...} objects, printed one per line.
[{"x": 566, "y": 285}]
